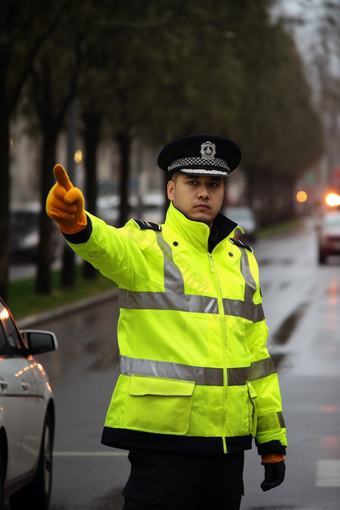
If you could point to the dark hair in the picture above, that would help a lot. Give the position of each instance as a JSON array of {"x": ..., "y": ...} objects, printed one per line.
[{"x": 176, "y": 172}]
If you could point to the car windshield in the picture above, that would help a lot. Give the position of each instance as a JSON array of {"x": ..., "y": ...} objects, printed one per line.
[
  {"x": 23, "y": 220},
  {"x": 239, "y": 213},
  {"x": 242, "y": 215}
]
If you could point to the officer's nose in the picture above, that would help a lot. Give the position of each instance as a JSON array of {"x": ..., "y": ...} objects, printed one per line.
[{"x": 203, "y": 192}]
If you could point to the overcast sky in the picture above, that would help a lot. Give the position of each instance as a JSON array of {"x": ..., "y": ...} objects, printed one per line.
[{"x": 312, "y": 13}]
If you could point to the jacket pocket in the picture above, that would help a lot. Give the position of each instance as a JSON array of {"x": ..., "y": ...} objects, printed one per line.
[
  {"x": 252, "y": 409},
  {"x": 159, "y": 405}
]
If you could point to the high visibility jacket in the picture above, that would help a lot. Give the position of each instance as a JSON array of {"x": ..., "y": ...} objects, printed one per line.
[{"x": 194, "y": 366}]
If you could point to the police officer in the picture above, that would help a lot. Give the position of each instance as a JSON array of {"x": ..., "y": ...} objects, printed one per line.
[{"x": 196, "y": 381}]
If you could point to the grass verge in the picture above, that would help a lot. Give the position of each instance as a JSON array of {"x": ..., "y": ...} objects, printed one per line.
[
  {"x": 23, "y": 300},
  {"x": 278, "y": 229}
]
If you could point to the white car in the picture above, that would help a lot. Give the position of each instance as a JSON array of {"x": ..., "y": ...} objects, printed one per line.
[
  {"x": 27, "y": 416},
  {"x": 108, "y": 208},
  {"x": 153, "y": 207},
  {"x": 245, "y": 218}
]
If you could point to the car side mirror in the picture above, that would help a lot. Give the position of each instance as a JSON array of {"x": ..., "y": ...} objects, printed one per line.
[{"x": 39, "y": 341}]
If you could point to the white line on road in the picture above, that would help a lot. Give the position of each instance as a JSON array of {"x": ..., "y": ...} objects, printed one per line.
[
  {"x": 328, "y": 473},
  {"x": 90, "y": 454}
]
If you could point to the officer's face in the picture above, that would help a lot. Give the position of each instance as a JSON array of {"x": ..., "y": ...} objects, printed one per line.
[{"x": 198, "y": 198}]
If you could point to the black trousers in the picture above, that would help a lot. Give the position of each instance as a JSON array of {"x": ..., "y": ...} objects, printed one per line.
[{"x": 161, "y": 480}]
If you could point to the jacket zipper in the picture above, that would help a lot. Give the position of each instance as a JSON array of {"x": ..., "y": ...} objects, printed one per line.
[{"x": 221, "y": 314}]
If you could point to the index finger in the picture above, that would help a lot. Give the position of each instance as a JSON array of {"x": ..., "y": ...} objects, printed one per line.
[{"x": 62, "y": 178}]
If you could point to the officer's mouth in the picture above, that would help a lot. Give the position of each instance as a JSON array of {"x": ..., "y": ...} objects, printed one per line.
[{"x": 202, "y": 207}]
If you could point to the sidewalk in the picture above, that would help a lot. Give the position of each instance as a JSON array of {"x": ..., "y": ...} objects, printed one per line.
[{"x": 34, "y": 320}]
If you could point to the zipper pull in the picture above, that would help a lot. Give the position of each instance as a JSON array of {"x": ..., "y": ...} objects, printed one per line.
[{"x": 212, "y": 265}]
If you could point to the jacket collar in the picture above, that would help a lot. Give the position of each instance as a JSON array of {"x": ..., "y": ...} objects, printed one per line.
[{"x": 196, "y": 232}]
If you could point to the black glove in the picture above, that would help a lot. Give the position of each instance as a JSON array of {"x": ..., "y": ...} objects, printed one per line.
[{"x": 274, "y": 474}]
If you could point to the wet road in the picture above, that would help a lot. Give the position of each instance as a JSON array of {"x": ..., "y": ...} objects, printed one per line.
[{"x": 302, "y": 308}]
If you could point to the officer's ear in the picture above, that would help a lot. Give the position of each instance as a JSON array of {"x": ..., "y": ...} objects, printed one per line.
[
  {"x": 170, "y": 188},
  {"x": 171, "y": 185}
]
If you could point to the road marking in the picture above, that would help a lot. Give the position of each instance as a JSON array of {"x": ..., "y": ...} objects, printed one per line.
[
  {"x": 90, "y": 454},
  {"x": 328, "y": 473}
]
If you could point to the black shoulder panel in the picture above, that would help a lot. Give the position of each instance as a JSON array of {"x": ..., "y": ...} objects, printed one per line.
[
  {"x": 240, "y": 243},
  {"x": 148, "y": 225}
]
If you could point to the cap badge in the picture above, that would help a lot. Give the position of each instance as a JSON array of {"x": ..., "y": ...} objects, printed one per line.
[{"x": 208, "y": 150}]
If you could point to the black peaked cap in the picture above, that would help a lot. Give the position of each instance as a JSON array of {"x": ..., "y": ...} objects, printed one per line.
[{"x": 200, "y": 154}]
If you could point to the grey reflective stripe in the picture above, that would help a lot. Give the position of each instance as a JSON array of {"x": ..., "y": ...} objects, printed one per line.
[
  {"x": 261, "y": 368},
  {"x": 167, "y": 301},
  {"x": 173, "y": 278},
  {"x": 237, "y": 376},
  {"x": 250, "y": 287},
  {"x": 281, "y": 420},
  {"x": 258, "y": 369},
  {"x": 271, "y": 421},
  {"x": 246, "y": 310},
  {"x": 202, "y": 376}
]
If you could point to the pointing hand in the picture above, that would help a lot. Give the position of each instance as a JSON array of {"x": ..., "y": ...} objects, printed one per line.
[{"x": 65, "y": 203}]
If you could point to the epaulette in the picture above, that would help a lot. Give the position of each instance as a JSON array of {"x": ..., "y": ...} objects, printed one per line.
[
  {"x": 240, "y": 243},
  {"x": 148, "y": 225}
]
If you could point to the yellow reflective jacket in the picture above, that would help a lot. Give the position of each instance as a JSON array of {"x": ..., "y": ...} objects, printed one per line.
[{"x": 195, "y": 373}]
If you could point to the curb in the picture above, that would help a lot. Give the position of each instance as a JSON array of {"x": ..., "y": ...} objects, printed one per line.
[
  {"x": 263, "y": 235},
  {"x": 66, "y": 309}
]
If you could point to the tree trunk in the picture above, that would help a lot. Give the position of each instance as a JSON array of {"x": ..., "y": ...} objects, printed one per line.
[
  {"x": 68, "y": 271},
  {"x": 43, "y": 280},
  {"x": 275, "y": 194},
  {"x": 250, "y": 192},
  {"x": 124, "y": 142},
  {"x": 4, "y": 192},
  {"x": 285, "y": 199},
  {"x": 91, "y": 135}
]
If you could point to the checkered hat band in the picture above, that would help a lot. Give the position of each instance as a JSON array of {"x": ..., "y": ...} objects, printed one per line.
[{"x": 185, "y": 162}]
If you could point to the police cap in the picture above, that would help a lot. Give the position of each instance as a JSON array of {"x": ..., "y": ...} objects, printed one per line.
[{"x": 202, "y": 155}]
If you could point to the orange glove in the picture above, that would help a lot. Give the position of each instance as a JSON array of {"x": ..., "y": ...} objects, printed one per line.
[
  {"x": 65, "y": 204},
  {"x": 272, "y": 458}
]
